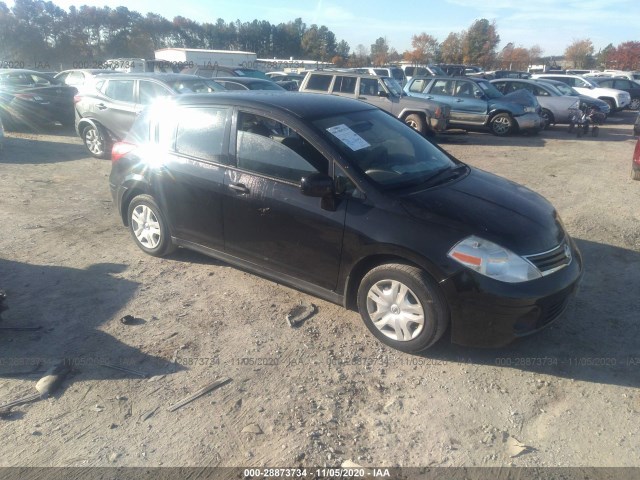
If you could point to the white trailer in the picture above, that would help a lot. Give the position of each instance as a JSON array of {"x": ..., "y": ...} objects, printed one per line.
[{"x": 197, "y": 57}]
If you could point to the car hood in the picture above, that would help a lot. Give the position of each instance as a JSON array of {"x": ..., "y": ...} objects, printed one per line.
[
  {"x": 524, "y": 98},
  {"x": 490, "y": 207}
]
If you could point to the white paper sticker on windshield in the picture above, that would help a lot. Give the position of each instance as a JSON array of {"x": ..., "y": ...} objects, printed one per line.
[{"x": 347, "y": 136}]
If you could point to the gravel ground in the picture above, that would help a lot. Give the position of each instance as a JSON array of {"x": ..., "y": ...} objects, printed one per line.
[{"x": 325, "y": 392}]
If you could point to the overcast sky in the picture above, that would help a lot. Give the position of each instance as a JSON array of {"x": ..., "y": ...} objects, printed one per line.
[{"x": 551, "y": 24}]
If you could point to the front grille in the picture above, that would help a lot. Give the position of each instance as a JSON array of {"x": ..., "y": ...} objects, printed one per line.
[
  {"x": 553, "y": 260},
  {"x": 553, "y": 311}
]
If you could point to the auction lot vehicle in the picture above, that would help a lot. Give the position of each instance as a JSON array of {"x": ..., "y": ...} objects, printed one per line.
[
  {"x": 104, "y": 113},
  {"x": 476, "y": 102},
  {"x": 383, "y": 92},
  {"x": 82, "y": 79},
  {"x": 617, "y": 99},
  {"x": 337, "y": 198},
  {"x": 34, "y": 99},
  {"x": 248, "y": 83},
  {"x": 555, "y": 106},
  {"x": 632, "y": 87}
]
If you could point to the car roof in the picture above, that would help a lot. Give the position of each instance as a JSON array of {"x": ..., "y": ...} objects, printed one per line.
[
  {"x": 302, "y": 105},
  {"x": 89, "y": 70},
  {"x": 26, "y": 70},
  {"x": 163, "y": 77}
]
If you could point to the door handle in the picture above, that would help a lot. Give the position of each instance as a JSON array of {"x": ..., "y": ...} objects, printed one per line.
[
  {"x": 101, "y": 106},
  {"x": 459, "y": 100},
  {"x": 239, "y": 188}
]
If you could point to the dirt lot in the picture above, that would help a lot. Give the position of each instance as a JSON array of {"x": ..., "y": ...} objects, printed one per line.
[{"x": 324, "y": 392}]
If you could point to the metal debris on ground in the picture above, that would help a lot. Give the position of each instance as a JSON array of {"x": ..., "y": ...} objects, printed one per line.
[
  {"x": 204, "y": 390},
  {"x": 300, "y": 313},
  {"x": 127, "y": 319}
]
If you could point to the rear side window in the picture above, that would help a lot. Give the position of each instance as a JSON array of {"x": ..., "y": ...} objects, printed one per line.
[
  {"x": 418, "y": 85},
  {"x": 442, "y": 87},
  {"x": 121, "y": 90},
  {"x": 201, "y": 132},
  {"x": 319, "y": 82},
  {"x": 149, "y": 91},
  {"x": 345, "y": 84}
]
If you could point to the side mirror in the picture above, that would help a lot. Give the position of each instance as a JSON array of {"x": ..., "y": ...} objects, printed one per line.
[
  {"x": 382, "y": 93},
  {"x": 317, "y": 185},
  {"x": 478, "y": 94}
]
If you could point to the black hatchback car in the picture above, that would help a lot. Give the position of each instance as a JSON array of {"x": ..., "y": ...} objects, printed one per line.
[{"x": 339, "y": 199}]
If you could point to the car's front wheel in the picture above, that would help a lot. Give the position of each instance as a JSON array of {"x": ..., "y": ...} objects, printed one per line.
[
  {"x": 547, "y": 117},
  {"x": 149, "y": 227},
  {"x": 95, "y": 141},
  {"x": 403, "y": 307},
  {"x": 501, "y": 124},
  {"x": 635, "y": 104}
]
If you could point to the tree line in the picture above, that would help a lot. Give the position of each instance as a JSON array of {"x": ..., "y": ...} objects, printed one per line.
[{"x": 37, "y": 31}]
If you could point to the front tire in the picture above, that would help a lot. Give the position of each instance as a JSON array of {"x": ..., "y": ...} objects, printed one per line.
[
  {"x": 96, "y": 142},
  {"x": 403, "y": 307},
  {"x": 635, "y": 104},
  {"x": 149, "y": 227},
  {"x": 547, "y": 116},
  {"x": 501, "y": 124}
]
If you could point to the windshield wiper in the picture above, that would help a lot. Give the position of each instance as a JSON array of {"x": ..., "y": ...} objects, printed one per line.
[{"x": 452, "y": 171}]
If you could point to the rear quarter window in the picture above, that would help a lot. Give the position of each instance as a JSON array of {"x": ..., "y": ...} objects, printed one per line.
[{"x": 319, "y": 83}]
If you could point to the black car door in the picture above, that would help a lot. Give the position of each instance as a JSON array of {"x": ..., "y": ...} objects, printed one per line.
[
  {"x": 267, "y": 219},
  {"x": 189, "y": 183}
]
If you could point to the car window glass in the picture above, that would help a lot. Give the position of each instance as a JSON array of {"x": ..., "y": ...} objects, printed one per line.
[
  {"x": 606, "y": 83},
  {"x": 149, "y": 91},
  {"x": 19, "y": 79},
  {"x": 442, "y": 87},
  {"x": 418, "y": 85},
  {"x": 369, "y": 86},
  {"x": 319, "y": 82},
  {"x": 344, "y": 185},
  {"x": 121, "y": 90},
  {"x": 464, "y": 89},
  {"x": 234, "y": 86},
  {"x": 625, "y": 84},
  {"x": 40, "y": 81},
  {"x": 540, "y": 92},
  {"x": 200, "y": 132},
  {"x": 345, "y": 84},
  {"x": 270, "y": 148}
]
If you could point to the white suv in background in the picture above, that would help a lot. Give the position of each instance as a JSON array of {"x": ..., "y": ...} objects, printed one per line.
[{"x": 617, "y": 99}]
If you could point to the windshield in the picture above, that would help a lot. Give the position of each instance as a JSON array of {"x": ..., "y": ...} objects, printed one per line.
[
  {"x": 250, "y": 72},
  {"x": 196, "y": 85},
  {"x": 393, "y": 86},
  {"x": 266, "y": 85},
  {"x": 390, "y": 153}
]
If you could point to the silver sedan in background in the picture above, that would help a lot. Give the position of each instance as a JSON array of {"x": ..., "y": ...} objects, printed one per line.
[{"x": 555, "y": 106}]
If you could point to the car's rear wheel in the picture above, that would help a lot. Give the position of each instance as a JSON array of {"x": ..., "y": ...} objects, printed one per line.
[
  {"x": 96, "y": 142},
  {"x": 403, "y": 307},
  {"x": 635, "y": 104},
  {"x": 149, "y": 227},
  {"x": 502, "y": 124},
  {"x": 415, "y": 121}
]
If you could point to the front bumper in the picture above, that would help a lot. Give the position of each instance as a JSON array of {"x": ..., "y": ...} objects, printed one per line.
[
  {"x": 488, "y": 313},
  {"x": 529, "y": 121},
  {"x": 439, "y": 124}
]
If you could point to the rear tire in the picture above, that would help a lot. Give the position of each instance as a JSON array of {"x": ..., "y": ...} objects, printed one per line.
[
  {"x": 403, "y": 307},
  {"x": 547, "y": 116},
  {"x": 635, "y": 104},
  {"x": 149, "y": 227},
  {"x": 416, "y": 122}
]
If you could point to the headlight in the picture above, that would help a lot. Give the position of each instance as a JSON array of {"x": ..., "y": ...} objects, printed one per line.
[{"x": 492, "y": 260}]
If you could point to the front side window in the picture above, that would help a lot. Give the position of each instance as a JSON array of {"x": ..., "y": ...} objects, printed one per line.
[
  {"x": 270, "y": 148},
  {"x": 149, "y": 91},
  {"x": 201, "y": 131},
  {"x": 369, "y": 86},
  {"x": 121, "y": 90}
]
